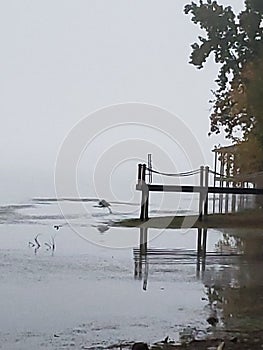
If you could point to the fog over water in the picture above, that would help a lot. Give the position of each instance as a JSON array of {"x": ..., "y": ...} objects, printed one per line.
[
  {"x": 69, "y": 70},
  {"x": 61, "y": 61}
]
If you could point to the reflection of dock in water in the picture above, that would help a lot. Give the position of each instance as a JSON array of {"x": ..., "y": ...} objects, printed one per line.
[{"x": 200, "y": 257}]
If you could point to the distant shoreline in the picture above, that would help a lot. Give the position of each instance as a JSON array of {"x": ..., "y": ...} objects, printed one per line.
[{"x": 244, "y": 219}]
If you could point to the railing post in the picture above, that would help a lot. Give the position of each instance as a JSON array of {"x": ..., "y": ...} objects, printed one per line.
[
  {"x": 143, "y": 172},
  {"x": 142, "y": 214},
  {"x": 145, "y": 196},
  {"x": 201, "y": 193},
  {"x": 146, "y": 203},
  {"x": 139, "y": 172},
  {"x": 215, "y": 175},
  {"x": 221, "y": 183},
  {"x": 149, "y": 168},
  {"x": 206, "y": 189}
]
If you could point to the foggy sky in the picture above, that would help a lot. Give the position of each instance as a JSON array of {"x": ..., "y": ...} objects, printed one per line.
[{"x": 62, "y": 59}]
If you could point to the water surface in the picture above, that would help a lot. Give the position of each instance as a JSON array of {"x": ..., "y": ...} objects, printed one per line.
[{"x": 88, "y": 291}]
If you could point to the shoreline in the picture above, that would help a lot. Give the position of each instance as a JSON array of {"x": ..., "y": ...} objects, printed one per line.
[
  {"x": 244, "y": 219},
  {"x": 231, "y": 340}
]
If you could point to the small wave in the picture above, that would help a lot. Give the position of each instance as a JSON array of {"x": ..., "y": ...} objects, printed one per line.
[
  {"x": 125, "y": 203},
  {"x": 97, "y": 215},
  {"x": 11, "y": 207},
  {"x": 52, "y": 199},
  {"x": 46, "y": 217}
]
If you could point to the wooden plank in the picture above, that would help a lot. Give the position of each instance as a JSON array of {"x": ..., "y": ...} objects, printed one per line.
[
  {"x": 235, "y": 190},
  {"x": 198, "y": 189},
  {"x": 171, "y": 188}
]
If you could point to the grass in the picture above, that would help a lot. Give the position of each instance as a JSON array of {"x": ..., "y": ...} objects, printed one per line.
[{"x": 244, "y": 219}]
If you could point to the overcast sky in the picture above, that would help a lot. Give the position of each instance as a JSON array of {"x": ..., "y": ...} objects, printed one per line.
[{"x": 62, "y": 59}]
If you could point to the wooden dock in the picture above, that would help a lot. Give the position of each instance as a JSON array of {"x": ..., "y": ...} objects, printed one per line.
[{"x": 203, "y": 189}]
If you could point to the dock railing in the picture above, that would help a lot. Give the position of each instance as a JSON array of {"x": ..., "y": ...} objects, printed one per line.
[{"x": 203, "y": 189}]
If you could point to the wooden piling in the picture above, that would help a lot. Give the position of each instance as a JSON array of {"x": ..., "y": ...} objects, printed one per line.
[
  {"x": 199, "y": 241},
  {"x": 150, "y": 174},
  {"x": 199, "y": 251},
  {"x": 215, "y": 174},
  {"x": 228, "y": 162},
  {"x": 144, "y": 215},
  {"x": 146, "y": 203},
  {"x": 201, "y": 193},
  {"x": 221, "y": 184},
  {"x": 226, "y": 199},
  {"x": 139, "y": 173},
  {"x": 143, "y": 240},
  {"x": 136, "y": 269},
  {"x": 206, "y": 180},
  {"x": 233, "y": 202},
  {"x": 204, "y": 248}
]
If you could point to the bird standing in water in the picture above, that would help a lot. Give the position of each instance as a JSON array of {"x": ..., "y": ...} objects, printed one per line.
[{"x": 105, "y": 204}]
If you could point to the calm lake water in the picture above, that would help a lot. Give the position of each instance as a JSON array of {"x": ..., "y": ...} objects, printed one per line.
[{"x": 93, "y": 289}]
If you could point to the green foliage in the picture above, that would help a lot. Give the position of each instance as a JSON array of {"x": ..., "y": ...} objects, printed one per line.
[
  {"x": 222, "y": 35},
  {"x": 236, "y": 40}
]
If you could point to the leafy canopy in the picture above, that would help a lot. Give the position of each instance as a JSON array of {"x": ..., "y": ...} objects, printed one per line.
[{"x": 236, "y": 42}]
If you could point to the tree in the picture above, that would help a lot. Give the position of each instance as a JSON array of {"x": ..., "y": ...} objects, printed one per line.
[{"x": 237, "y": 44}]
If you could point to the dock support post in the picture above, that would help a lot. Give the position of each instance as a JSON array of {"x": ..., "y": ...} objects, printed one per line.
[
  {"x": 227, "y": 200},
  {"x": 215, "y": 175},
  {"x": 139, "y": 173},
  {"x": 228, "y": 162},
  {"x": 221, "y": 182},
  {"x": 150, "y": 174},
  {"x": 233, "y": 204},
  {"x": 204, "y": 248},
  {"x": 234, "y": 196},
  {"x": 143, "y": 240},
  {"x": 146, "y": 203},
  {"x": 201, "y": 193},
  {"x": 144, "y": 215},
  {"x": 206, "y": 191},
  {"x": 143, "y": 256},
  {"x": 199, "y": 241},
  {"x": 199, "y": 251}
]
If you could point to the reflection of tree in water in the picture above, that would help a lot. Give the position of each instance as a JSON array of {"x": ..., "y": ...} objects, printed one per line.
[
  {"x": 235, "y": 286},
  {"x": 229, "y": 244}
]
